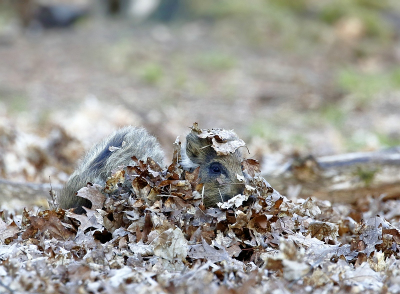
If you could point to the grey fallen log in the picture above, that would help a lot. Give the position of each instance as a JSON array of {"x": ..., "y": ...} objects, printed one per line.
[
  {"x": 29, "y": 193},
  {"x": 345, "y": 178}
]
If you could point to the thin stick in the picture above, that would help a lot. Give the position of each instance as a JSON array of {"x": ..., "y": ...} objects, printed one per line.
[{"x": 222, "y": 200}]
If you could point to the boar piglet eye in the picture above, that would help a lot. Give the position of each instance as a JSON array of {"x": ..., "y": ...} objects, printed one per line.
[{"x": 215, "y": 168}]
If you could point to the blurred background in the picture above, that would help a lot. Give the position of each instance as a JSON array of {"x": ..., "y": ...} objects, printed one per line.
[{"x": 314, "y": 77}]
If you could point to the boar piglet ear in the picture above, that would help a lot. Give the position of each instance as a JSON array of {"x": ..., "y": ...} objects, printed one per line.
[{"x": 199, "y": 150}]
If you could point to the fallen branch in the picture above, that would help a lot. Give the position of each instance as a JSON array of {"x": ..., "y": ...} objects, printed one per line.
[
  {"x": 342, "y": 178},
  {"x": 29, "y": 193}
]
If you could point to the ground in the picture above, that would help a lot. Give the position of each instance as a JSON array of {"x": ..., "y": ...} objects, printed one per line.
[{"x": 290, "y": 77}]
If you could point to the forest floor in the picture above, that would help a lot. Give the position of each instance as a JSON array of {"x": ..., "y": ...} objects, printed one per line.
[{"x": 291, "y": 81}]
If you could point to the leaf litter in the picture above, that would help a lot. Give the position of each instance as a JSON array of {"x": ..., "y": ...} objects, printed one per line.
[{"x": 153, "y": 234}]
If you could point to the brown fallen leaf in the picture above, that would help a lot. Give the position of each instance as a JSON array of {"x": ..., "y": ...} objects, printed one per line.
[
  {"x": 92, "y": 193},
  {"x": 7, "y": 231},
  {"x": 47, "y": 222}
]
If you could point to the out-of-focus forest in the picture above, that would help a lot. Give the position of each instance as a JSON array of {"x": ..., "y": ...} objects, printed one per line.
[
  {"x": 303, "y": 76},
  {"x": 312, "y": 87}
]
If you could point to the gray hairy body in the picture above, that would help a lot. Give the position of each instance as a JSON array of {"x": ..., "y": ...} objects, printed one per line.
[
  {"x": 103, "y": 158},
  {"x": 218, "y": 173}
]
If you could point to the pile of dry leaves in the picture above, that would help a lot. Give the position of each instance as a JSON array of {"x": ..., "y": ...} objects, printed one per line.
[{"x": 152, "y": 234}]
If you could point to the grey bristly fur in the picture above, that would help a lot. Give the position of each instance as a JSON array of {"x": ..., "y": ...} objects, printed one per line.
[
  {"x": 218, "y": 187},
  {"x": 99, "y": 161}
]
